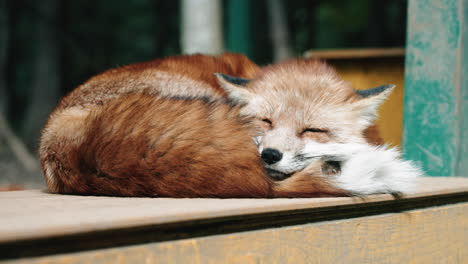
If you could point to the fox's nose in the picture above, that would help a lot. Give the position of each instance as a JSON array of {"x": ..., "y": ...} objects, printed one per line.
[{"x": 271, "y": 156}]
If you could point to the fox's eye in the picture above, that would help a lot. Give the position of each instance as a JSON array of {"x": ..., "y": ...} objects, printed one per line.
[
  {"x": 314, "y": 130},
  {"x": 266, "y": 120}
]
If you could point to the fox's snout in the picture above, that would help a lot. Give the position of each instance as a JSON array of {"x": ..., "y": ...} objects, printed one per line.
[{"x": 271, "y": 156}]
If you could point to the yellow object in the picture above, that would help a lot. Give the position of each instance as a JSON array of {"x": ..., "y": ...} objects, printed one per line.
[{"x": 368, "y": 68}]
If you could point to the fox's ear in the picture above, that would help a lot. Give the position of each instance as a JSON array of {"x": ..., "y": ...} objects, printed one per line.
[
  {"x": 370, "y": 100},
  {"x": 235, "y": 87}
]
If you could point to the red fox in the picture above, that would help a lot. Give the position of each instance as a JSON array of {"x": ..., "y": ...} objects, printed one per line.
[{"x": 219, "y": 126}]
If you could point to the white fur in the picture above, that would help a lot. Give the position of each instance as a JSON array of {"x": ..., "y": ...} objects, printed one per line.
[
  {"x": 367, "y": 169},
  {"x": 288, "y": 164},
  {"x": 49, "y": 173},
  {"x": 258, "y": 142}
]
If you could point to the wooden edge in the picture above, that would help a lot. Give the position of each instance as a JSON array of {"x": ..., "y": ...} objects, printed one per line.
[
  {"x": 430, "y": 235},
  {"x": 430, "y": 187},
  {"x": 355, "y": 53},
  {"x": 11, "y": 187},
  {"x": 214, "y": 226}
]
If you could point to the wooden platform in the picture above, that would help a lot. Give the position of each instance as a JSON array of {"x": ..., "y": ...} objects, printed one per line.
[
  {"x": 428, "y": 226},
  {"x": 356, "y": 53}
]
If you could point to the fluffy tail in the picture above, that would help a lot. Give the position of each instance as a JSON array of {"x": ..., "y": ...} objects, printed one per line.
[
  {"x": 140, "y": 145},
  {"x": 378, "y": 169},
  {"x": 64, "y": 132},
  {"x": 367, "y": 169}
]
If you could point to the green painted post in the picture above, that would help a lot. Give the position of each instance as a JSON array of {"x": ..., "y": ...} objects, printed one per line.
[
  {"x": 435, "y": 126},
  {"x": 238, "y": 26}
]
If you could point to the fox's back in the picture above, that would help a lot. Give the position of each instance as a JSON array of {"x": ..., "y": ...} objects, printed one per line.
[{"x": 185, "y": 75}]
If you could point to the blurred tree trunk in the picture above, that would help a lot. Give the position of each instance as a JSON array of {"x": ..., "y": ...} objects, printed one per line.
[
  {"x": 17, "y": 165},
  {"x": 9, "y": 142},
  {"x": 202, "y": 26},
  {"x": 239, "y": 38},
  {"x": 279, "y": 30},
  {"x": 3, "y": 55},
  {"x": 45, "y": 84}
]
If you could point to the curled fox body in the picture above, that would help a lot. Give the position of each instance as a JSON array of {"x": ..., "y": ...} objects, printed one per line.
[{"x": 170, "y": 127}]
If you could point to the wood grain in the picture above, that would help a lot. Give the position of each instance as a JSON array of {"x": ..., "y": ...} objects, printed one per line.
[
  {"x": 436, "y": 86},
  {"x": 433, "y": 235},
  {"x": 356, "y": 53},
  {"x": 28, "y": 215}
]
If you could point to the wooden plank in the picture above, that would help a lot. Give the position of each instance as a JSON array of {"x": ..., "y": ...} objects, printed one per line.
[
  {"x": 433, "y": 235},
  {"x": 435, "y": 130},
  {"x": 356, "y": 53},
  {"x": 29, "y": 215}
]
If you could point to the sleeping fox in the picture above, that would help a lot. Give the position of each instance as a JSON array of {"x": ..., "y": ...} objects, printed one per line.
[{"x": 220, "y": 126}]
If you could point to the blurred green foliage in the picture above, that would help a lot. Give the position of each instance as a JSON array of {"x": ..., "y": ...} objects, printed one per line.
[
  {"x": 93, "y": 36},
  {"x": 97, "y": 35},
  {"x": 346, "y": 24}
]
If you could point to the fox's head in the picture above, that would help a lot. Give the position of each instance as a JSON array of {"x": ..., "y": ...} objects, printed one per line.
[{"x": 302, "y": 101}]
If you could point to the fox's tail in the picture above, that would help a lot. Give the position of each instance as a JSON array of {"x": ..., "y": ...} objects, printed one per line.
[{"x": 141, "y": 145}]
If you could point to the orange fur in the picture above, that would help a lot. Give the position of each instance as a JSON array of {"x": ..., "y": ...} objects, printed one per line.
[
  {"x": 163, "y": 128},
  {"x": 139, "y": 145}
]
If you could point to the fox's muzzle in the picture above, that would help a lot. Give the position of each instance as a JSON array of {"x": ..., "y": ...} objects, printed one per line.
[{"x": 271, "y": 156}]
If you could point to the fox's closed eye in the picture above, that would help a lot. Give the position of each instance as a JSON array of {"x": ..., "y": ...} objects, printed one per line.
[
  {"x": 266, "y": 120},
  {"x": 314, "y": 130}
]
